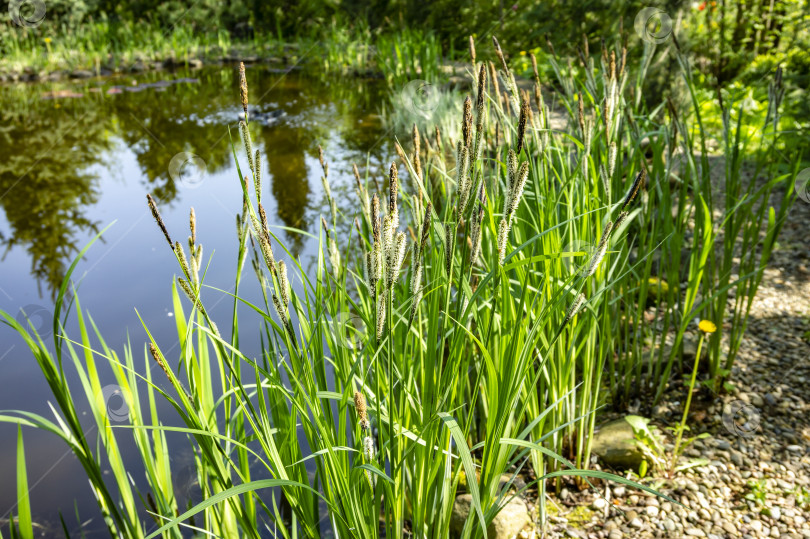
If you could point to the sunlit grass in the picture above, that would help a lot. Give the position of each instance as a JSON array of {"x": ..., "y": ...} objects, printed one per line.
[{"x": 499, "y": 282}]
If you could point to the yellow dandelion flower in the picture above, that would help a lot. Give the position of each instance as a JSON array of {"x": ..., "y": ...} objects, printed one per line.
[{"x": 707, "y": 326}]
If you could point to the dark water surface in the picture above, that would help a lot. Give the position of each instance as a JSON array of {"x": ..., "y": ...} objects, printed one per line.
[{"x": 76, "y": 157}]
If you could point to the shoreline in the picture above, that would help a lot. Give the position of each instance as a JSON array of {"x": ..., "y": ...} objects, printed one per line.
[
  {"x": 282, "y": 57},
  {"x": 30, "y": 74}
]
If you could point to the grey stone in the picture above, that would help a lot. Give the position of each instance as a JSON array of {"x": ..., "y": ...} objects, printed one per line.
[
  {"x": 773, "y": 512},
  {"x": 509, "y": 521},
  {"x": 615, "y": 444},
  {"x": 81, "y": 74}
]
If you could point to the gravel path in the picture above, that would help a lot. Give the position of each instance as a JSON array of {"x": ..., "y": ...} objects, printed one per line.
[{"x": 758, "y": 481}]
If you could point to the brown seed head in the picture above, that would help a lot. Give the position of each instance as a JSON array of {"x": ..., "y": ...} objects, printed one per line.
[
  {"x": 393, "y": 186},
  {"x": 156, "y": 214},
  {"x": 624, "y": 61},
  {"x": 612, "y": 65},
  {"x": 356, "y": 172},
  {"x": 472, "y": 49},
  {"x": 156, "y": 356},
  {"x": 638, "y": 183},
  {"x": 360, "y": 405},
  {"x": 466, "y": 127},
  {"x": 263, "y": 217},
  {"x": 357, "y": 177},
  {"x": 417, "y": 149},
  {"x": 324, "y": 165},
  {"x": 375, "y": 217},
  {"x": 243, "y": 89},
  {"x": 538, "y": 99},
  {"x": 479, "y": 103},
  {"x": 400, "y": 152},
  {"x": 426, "y": 226},
  {"x": 620, "y": 220},
  {"x": 499, "y": 54},
  {"x": 550, "y": 47},
  {"x": 524, "y": 116},
  {"x": 192, "y": 221}
]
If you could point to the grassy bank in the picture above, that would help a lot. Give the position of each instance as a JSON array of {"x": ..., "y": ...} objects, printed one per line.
[
  {"x": 105, "y": 47},
  {"x": 497, "y": 289}
]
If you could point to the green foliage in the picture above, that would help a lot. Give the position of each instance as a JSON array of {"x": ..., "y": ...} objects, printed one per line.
[
  {"x": 757, "y": 491},
  {"x": 650, "y": 442},
  {"x": 407, "y": 55},
  {"x": 484, "y": 353}
]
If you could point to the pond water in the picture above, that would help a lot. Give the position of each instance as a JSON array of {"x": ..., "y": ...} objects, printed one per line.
[{"x": 79, "y": 156}]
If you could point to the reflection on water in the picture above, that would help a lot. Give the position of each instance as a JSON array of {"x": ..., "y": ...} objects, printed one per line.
[
  {"x": 72, "y": 165},
  {"x": 55, "y": 148}
]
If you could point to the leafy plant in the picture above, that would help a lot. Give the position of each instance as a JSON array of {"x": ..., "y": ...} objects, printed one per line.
[
  {"x": 758, "y": 490},
  {"x": 503, "y": 279}
]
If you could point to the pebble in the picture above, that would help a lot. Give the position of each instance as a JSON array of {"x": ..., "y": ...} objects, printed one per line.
[{"x": 776, "y": 456}]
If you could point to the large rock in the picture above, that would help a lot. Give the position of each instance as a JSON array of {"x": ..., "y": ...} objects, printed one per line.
[
  {"x": 81, "y": 74},
  {"x": 615, "y": 443},
  {"x": 507, "y": 524}
]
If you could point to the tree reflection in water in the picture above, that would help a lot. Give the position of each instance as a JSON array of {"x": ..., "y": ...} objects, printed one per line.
[{"x": 54, "y": 149}]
